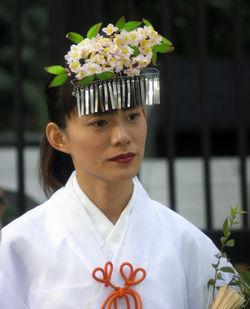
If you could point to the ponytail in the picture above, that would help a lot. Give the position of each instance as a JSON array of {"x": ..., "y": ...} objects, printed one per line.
[{"x": 56, "y": 166}]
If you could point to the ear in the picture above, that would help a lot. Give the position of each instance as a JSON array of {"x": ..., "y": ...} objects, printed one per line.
[{"x": 56, "y": 137}]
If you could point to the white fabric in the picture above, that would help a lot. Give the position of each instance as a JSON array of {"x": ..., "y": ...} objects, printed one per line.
[
  {"x": 110, "y": 232},
  {"x": 47, "y": 257}
]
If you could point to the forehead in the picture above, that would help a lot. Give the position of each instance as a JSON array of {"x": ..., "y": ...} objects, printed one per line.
[{"x": 109, "y": 112}]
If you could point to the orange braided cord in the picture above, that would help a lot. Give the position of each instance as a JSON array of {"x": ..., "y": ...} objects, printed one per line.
[{"x": 126, "y": 291}]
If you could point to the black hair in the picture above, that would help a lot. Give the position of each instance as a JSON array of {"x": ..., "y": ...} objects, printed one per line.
[{"x": 56, "y": 166}]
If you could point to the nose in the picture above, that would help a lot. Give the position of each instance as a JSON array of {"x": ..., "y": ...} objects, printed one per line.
[{"x": 120, "y": 135}]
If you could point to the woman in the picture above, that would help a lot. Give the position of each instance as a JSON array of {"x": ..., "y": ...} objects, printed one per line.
[{"x": 100, "y": 241}]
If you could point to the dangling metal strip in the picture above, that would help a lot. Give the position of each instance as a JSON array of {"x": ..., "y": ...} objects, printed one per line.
[
  {"x": 123, "y": 93},
  {"x": 111, "y": 95},
  {"x": 137, "y": 92},
  {"x": 151, "y": 91},
  {"x": 133, "y": 95},
  {"x": 128, "y": 93},
  {"x": 91, "y": 92},
  {"x": 119, "y": 96},
  {"x": 96, "y": 98},
  {"x": 115, "y": 85},
  {"x": 101, "y": 97},
  {"x": 106, "y": 96},
  {"x": 157, "y": 90},
  {"x": 146, "y": 91},
  {"x": 78, "y": 102},
  {"x": 142, "y": 86},
  {"x": 87, "y": 100},
  {"x": 82, "y": 101}
]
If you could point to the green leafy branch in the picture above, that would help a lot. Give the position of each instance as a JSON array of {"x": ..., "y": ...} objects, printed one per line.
[{"x": 241, "y": 280}]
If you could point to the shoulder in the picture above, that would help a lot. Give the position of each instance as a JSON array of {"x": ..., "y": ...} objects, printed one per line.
[
  {"x": 33, "y": 223},
  {"x": 185, "y": 235},
  {"x": 171, "y": 223}
]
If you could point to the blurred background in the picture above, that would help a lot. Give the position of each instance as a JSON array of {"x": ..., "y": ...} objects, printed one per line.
[{"x": 197, "y": 156}]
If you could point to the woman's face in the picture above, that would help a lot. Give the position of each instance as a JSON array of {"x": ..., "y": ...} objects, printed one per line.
[{"x": 107, "y": 146}]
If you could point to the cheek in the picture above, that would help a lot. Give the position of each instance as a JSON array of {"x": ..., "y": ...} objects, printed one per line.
[
  {"x": 142, "y": 132},
  {"x": 88, "y": 148}
]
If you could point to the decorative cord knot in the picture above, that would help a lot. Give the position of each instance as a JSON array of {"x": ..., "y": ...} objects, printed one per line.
[
  {"x": 129, "y": 276},
  {"x": 121, "y": 292}
]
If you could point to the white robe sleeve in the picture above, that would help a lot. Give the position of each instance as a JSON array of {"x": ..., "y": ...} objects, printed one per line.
[{"x": 8, "y": 297}]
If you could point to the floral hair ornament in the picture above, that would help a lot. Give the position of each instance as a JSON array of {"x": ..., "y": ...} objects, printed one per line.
[{"x": 110, "y": 70}]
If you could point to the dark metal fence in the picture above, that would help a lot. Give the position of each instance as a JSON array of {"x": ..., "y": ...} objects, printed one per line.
[{"x": 204, "y": 131}]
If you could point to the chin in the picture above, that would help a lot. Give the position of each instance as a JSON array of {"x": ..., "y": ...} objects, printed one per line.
[{"x": 125, "y": 175}]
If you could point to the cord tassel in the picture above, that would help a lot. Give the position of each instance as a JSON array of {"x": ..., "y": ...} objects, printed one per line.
[{"x": 125, "y": 292}]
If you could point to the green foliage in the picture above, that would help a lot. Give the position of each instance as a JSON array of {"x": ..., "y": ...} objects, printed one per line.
[
  {"x": 59, "y": 80},
  {"x": 131, "y": 25},
  {"x": 136, "y": 50},
  {"x": 161, "y": 48},
  {"x": 86, "y": 80},
  {"x": 121, "y": 23},
  {"x": 147, "y": 23},
  {"x": 105, "y": 75},
  {"x": 241, "y": 280},
  {"x": 55, "y": 69},
  {"x": 94, "y": 30},
  {"x": 74, "y": 37},
  {"x": 167, "y": 42},
  {"x": 154, "y": 57},
  {"x": 34, "y": 56}
]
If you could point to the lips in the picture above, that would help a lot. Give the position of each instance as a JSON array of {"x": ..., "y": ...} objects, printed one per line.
[{"x": 124, "y": 158}]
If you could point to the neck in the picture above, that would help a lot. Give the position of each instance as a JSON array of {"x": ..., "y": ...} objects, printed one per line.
[{"x": 110, "y": 197}]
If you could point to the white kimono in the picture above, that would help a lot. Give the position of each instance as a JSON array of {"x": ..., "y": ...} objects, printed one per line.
[{"x": 47, "y": 256}]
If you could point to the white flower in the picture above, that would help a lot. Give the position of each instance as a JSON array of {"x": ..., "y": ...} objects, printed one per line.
[
  {"x": 116, "y": 64},
  {"x": 131, "y": 71},
  {"x": 97, "y": 58},
  {"x": 74, "y": 54},
  {"x": 81, "y": 73},
  {"x": 124, "y": 36},
  {"x": 75, "y": 66},
  {"x": 141, "y": 61},
  {"x": 134, "y": 37},
  {"x": 125, "y": 51},
  {"x": 110, "y": 29},
  {"x": 115, "y": 52},
  {"x": 92, "y": 68}
]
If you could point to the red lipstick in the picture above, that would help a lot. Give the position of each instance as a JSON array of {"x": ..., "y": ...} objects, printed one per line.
[{"x": 124, "y": 158}]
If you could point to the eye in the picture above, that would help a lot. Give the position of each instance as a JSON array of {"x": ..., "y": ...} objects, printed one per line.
[
  {"x": 133, "y": 116},
  {"x": 99, "y": 123}
]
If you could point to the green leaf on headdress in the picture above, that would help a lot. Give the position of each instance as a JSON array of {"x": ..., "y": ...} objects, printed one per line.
[
  {"x": 86, "y": 80},
  {"x": 75, "y": 37},
  {"x": 166, "y": 41},
  {"x": 93, "y": 31},
  {"x": 131, "y": 25},
  {"x": 161, "y": 48},
  {"x": 147, "y": 23},
  {"x": 154, "y": 57},
  {"x": 55, "y": 69},
  {"x": 105, "y": 75},
  {"x": 121, "y": 23},
  {"x": 136, "y": 50},
  {"x": 59, "y": 80}
]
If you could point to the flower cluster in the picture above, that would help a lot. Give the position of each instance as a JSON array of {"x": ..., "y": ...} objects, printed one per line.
[
  {"x": 124, "y": 48},
  {"x": 115, "y": 52}
]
